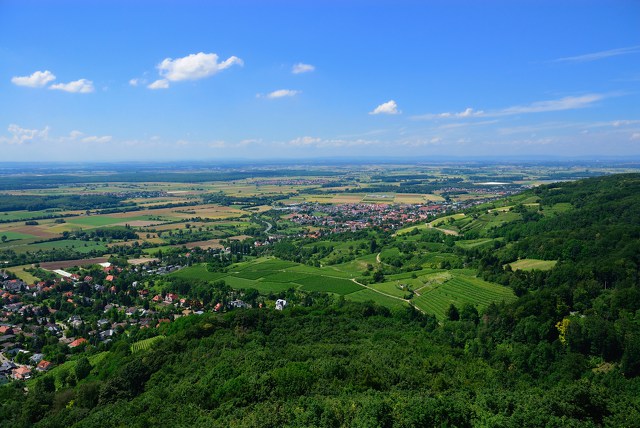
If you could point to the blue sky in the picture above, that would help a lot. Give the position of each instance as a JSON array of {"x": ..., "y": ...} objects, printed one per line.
[{"x": 142, "y": 80}]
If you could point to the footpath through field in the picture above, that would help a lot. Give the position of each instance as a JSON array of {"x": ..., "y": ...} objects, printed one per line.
[{"x": 387, "y": 295}]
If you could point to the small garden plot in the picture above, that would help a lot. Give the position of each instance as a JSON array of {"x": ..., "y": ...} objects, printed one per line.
[{"x": 329, "y": 284}]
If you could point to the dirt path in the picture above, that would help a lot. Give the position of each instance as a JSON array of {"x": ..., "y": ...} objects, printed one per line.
[{"x": 445, "y": 231}]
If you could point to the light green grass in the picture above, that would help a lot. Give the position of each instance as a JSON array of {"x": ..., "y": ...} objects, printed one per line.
[
  {"x": 533, "y": 264},
  {"x": 197, "y": 272},
  {"x": 13, "y": 236},
  {"x": 391, "y": 287},
  {"x": 328, "y": 285},
  {"x": 79, "y": 246},
  {"x": 366, "y": 295}
]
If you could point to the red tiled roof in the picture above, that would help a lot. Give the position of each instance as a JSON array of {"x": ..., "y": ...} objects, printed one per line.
[{"x": 77, "y": 342}]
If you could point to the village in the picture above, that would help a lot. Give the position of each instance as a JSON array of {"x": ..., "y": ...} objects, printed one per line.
[{"x": 43, "y": 323}]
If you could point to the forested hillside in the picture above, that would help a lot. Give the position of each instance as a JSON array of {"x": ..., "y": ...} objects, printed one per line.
[{"x": 565, "y": 353}]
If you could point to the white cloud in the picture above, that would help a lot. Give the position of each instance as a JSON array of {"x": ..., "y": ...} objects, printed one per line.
[
  {"x": 136, "y": 82},
  {"x": 635, "y": 136},
  {"x": 302, "y": 68},
  {"x": 280, "y": 93},
  {"x": 566, "y": 103},
  {"x": 390, "y": 107},
  {"x": 194, "y": 66},
  {"x": 81, "y": 86},
  {"x": 159, "y": 84},
  {"x": 21, "y": 135},
  {"x": 96, "y": 139},
  {"x": 308, "y": 141},
  {"x": 36, "y": 80},
  {"x": 600, "y": 55}
]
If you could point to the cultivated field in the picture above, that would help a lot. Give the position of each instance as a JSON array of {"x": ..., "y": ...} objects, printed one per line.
[{"x": 533, "y": 264}]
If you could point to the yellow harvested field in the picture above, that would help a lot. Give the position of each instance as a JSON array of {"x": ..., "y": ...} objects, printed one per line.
[
  {"x": 142, "y": 260},
  {"x": 212, "y": 243},
  {"x": 137, "y": 223}
]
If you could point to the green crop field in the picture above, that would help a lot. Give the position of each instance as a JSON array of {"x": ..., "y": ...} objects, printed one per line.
[
  {"x": 391, "y": 287},
  {"x": 285, "y": 276},
  {"x": 13, "y": 236},
  {"x": 145, "y": 344},
  {"x": 459, "y": 290},
  {"x": 367, "y": 295},
  {"x": 79, "y": 246},
  {"x": 251, "y": 274},
  {"x": 273, "y": 287},
  {"x": 474, "y": 243},
  {"x": 198, "y": 272},
  {"x": 533, "y": 264},
  {"x": 328, "y": 284}
]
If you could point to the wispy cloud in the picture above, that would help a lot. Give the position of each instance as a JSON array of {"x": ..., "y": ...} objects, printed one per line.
[
  {"x": 390, "y": 107},
  {"x": 38, "y": 79},
  {"x": 318, "y": 142},
  {"x": 565, "y": 103},
  {"x": 302, "y": 68},
  {"x": 280, "y": 93},
  {"x": 600, "y": 55},
  {"x": 81, "y": 86}
]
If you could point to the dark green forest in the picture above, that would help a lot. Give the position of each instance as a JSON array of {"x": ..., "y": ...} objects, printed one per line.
[{"x": 565, "y": 353}]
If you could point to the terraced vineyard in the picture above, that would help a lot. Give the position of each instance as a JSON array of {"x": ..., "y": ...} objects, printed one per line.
[
  {"x": 459, "y": 290},
  {"x": 145, "y": 344}
]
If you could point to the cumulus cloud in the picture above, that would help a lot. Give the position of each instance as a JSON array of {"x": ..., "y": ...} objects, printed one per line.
[
  {"x": 280, "y": 93},
  {"x": 302, "y": 68},
  {"x": 390, "y": 107},
  {"x": 81, "y": 86},
  {"x": 195, "y": 66},
  {"x": 21, "y": 135},
  {"x": 38, "y": 79},
  {"x": 137, "y": 82},
  {"x": 159, "y": 84}
]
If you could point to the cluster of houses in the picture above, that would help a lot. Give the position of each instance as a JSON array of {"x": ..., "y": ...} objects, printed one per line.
[{"x": 353, "y": 217}]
